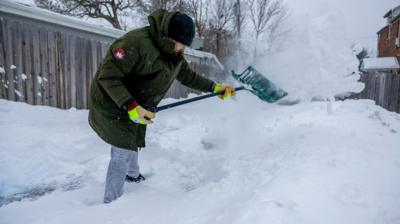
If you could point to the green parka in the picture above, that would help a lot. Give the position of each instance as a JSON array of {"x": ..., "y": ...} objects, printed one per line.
[{"x": 140, "y": 65}]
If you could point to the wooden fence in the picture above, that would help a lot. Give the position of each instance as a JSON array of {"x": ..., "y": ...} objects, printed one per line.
[
  {"x": 47, "y": 67},
  {"x": 383, "y": 88},
  {"x": 47, "y": 64}
]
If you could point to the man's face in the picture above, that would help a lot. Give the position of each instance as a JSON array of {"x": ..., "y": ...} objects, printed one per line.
[{"x": 179, "y": 48}]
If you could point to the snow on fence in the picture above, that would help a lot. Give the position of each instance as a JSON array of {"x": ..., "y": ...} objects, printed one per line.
[
  {"x": 49, "y": 59},
  {"x": 383, "y": 88}
]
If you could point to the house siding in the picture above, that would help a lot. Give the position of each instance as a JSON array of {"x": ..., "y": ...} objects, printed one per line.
[{"x": 387, "y": 40}]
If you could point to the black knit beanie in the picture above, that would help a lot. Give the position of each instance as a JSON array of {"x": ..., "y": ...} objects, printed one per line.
[{"x": 181, "y": 29}]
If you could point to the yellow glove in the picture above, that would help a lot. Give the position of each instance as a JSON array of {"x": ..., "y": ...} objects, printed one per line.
[
  {"x": 140, "y": 115},
  {"x": 227, "y": 90}
]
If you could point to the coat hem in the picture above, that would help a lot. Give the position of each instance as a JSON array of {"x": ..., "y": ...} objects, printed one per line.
[{"x": 128, "y": 147}]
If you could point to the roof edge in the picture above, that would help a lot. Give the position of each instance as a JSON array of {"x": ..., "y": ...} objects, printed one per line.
[
  {"x": 32, "y": 12},
  {"x": 382, "y": 29},
  {"x": 388, "y": 14},
  {"x": 204, "y": 54}
]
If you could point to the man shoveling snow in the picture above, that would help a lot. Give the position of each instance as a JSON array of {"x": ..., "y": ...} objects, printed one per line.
[{"x": 136, "y": 73}]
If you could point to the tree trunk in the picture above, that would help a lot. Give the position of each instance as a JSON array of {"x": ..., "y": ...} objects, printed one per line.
[
  {"x": 218, "y": 43},
  {"x": 255, "y": 48}
]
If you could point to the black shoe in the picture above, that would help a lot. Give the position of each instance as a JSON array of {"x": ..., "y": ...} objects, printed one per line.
[{"x": 137, "y": 179}]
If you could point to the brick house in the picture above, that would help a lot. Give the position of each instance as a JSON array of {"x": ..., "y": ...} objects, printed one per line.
[
  {"x": 381, "y": 75},
  {"x": 389, "y": 36},
  {"x": 388, "y": 47}
]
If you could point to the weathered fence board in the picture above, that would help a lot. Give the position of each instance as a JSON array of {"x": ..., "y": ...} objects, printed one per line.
[
  {"x": 9, "y": 63},
  {"x": 387, "y": 87},
  {"x": 19, "y": 90},
  {"x": 71, "y": 85},
  {"x": 364, "y": 94},
  {"x": 395, "y": 94},
  {"x": 2, "y": 61},
  {"x": 63, "y": 70},
  {"x": 27, "y": 68},
  {"x": 383, "y": 88},
  {"x": 44, "y": 69},
  {"x": 52, "y": 68},
  {"x": 37, "y": 88},
  {"x": 371, "y": 90},
  {"x": 78, "y": 68}
]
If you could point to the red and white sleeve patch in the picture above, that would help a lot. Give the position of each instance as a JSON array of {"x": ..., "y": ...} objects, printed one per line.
[{"x": 119, "y": 54}]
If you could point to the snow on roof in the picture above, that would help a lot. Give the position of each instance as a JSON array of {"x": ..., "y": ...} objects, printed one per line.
[
  {"x": 380, "y": 63},
  {"x": 32, "y": 12},
  {"x": 203, "y": 54},
  {"x": 383, "y": 29},
  {"x": 393, "y": 12}
]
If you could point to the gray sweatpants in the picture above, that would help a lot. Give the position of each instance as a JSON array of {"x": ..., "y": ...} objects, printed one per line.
[{"x": 123, "y": 161}]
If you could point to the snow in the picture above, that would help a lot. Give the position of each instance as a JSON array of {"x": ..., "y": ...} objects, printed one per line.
[
  {"x": 2, "y": 71},
  {"x": 315, "y": 59},
  {"x": 363, "y": 18},
  {"x": 18, "y": 93},
  {"x": 208, "y": 163},
  {"x": 13, "y": 67},
  {"x": 24, "y": 77},
  {"x": 380, "y": 63},
  {"x": 394, "y": 13}
]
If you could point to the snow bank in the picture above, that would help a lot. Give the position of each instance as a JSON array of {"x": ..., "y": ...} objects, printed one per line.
[{"x": 208, "y": 162}]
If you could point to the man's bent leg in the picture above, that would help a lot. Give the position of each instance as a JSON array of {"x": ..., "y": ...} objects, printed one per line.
[{"x": 116, "y": 173}]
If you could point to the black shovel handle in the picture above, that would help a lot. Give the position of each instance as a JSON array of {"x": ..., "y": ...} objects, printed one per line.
[{"x": 157, "y": 109}]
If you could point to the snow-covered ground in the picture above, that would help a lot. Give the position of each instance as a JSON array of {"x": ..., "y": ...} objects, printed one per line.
[
  {"x": 237, "y": 161},
  {"x": 240, "y": 161}
]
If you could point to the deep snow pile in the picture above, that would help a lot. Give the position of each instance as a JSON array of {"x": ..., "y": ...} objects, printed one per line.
[{"x": 240, "y": 161}]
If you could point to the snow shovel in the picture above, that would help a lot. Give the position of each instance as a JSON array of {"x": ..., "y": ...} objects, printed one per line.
[{"x": 252, "y": 81}]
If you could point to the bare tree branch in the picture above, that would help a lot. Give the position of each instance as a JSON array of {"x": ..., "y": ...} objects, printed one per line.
[
  {"x": 266, "y": 15},
  {"x": 198, "y": 9},
  {"x": 105, "y": 9}
]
